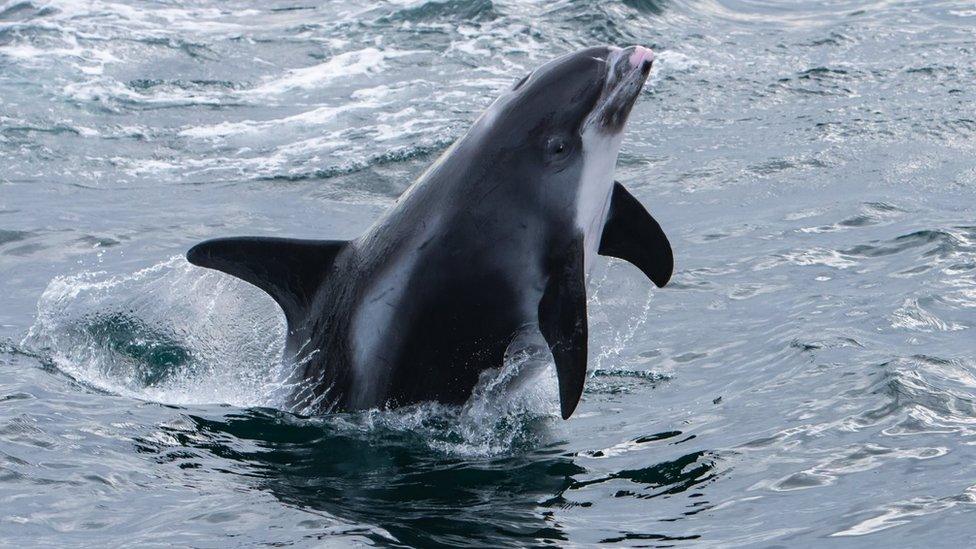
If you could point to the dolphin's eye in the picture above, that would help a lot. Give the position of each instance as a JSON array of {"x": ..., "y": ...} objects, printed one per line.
[{"x": 556, "y": 147}]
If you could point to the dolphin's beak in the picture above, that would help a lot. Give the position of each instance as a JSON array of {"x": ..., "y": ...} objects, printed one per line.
[
  {"x": 627, "y": 70},
  {"x": 640, "y": 57},
  {"x": 629, "y": 62}
]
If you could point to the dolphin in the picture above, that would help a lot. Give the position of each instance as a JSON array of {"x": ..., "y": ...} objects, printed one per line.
[{"x": 487, "y": 249}]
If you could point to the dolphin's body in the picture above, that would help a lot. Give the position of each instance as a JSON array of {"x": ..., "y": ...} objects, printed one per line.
[{"x": 491, "y": 243}]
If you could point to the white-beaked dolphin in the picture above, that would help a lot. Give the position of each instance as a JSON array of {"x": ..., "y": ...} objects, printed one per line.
[{"x": 492, "y": 242}]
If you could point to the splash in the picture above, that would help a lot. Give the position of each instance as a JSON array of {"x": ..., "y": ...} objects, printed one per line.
[
  {"x": 506, "y": 413},
  {"x": 176, "y": 334},
  {"x": 169, "y": 333}
]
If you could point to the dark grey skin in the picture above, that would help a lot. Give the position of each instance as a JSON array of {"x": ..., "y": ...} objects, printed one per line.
[{"x": 491, "y": 243}]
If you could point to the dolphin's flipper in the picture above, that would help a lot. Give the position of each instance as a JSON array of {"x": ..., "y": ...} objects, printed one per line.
[
  {"x": 562, "y": 321},
  {"x": 633, "y": 235},
  {"x": 288, "y": 269}
]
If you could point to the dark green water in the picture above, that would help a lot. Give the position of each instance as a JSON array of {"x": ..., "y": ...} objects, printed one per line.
[{"x": 808, "y": 378}]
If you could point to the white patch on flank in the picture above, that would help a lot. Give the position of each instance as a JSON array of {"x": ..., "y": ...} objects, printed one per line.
[
  {"x": 371, "y": 325},
  {"x": 372, "y": 322},
  {"x": 596, "y": 184}
]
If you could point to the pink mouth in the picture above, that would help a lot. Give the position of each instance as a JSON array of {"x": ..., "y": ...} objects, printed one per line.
[{"x": 640, "y": 56}]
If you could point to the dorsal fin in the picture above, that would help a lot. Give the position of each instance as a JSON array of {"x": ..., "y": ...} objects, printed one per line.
[
  {"x": 631, "y": 234},
  {"x": 289, "y": 270}
]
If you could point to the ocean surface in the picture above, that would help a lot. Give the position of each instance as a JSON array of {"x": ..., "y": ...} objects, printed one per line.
[{"x": 807, "y": 379}]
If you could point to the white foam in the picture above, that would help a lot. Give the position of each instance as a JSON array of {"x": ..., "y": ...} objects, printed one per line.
[
  {"x": 315, "y": 117},
  {"x": 108, "y": 91},
  {"x": 352, "y": 63}
]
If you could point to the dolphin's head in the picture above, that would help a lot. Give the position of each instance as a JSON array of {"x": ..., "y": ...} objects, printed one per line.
[
  {"x": 588, "y": 91},
  {"x": 562, "y": 124}
]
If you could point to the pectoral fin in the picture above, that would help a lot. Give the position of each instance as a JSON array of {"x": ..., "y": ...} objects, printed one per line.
[
  {"x": 631, "y": 234},
  {"x": 289, "y": 270},
  {"x": 563, "y": 323}
]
